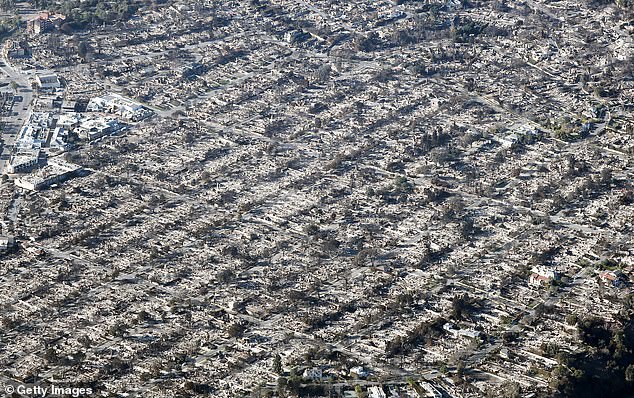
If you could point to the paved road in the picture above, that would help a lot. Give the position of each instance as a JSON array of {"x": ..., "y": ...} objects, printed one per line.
[{"x": 23, "y": 108}]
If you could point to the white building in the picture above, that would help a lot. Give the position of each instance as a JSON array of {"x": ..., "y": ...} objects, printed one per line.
[
  {"x": 541, "y": 276},
  {"x": 313, "y": 374},
  {"x": 124, "y": 107},
  {"x": 96, "y": 128},
  {"x": 59, "y": 140},
  {"x": 376, "y": 392},
  {"x": 48, "y": 82},
  {"x": 69, "y": 120},
  {"x": 6, "y": 242},
  {"x": 359, "y": 371}
]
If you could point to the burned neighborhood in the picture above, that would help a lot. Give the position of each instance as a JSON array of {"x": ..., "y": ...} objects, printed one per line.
[{"x": 289, "y": 198}]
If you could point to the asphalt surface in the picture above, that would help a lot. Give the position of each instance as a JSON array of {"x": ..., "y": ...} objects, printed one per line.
[{"x": 21, "y": 109}]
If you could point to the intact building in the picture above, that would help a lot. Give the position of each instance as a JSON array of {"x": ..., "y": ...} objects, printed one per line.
[
  {"x": 45, "y": 22},
  {"x": 124, "y": 107},
  {"x": 48, "y": 82},
  {"x": 94, "y": 129}
]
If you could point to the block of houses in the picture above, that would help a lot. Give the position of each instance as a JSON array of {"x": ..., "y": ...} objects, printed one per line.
[
  {"x": 44, "y": 22},
  {"x": 614, "y": 278},
  {"x": 313, "y": 374},
  {"x": 542, "y": 276}
]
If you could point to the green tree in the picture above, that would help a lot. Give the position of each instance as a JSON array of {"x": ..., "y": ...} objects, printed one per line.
[
  {"x": 281, "y": 386},
  {"x": 571, "y": 319},
  {"x": 359, "y": 391},
  {"x": 277, "y": 364},
  {"x": 82, "y": 50},
  {"x": 511, "y": 389},
  {"x": 236, "y": 330}
]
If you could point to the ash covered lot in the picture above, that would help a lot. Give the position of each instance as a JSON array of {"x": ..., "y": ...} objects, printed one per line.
[{"x": 298, "y": 198}]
